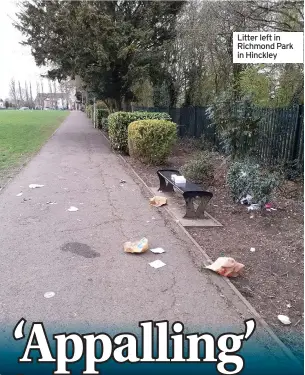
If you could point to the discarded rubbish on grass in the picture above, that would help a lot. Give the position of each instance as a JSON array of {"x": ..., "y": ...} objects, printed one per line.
[
  {"x": 284, "y": 319},
  {"x": 72, "y": 209},
  {"x": 252, "y": 249},
  {"x": 19, "y": 195},
  {"x": 35, "y": 186},
  {"x": 254, "y": 207},
  {"x": 288, "y": 305},
  {"x": 247, "y": 200},
  {"x": 157, "y": 250},
  {"x": 226, "y": 266},
  {"x": 158, "y": 201},
  {"x": 157, "y": 264},
  {"x": 136, "y": 247},
  {"x": 49, "y": 295}
]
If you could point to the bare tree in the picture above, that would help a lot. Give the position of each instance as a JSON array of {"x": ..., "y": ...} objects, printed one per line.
[
  {"x": 31, "y": 96},
  {"x": 51, "y": 94},
  {"x": 54, "y": 92},
  {"x": 27, "y": 97},
  {"x": 13, "y": 92},
  {"x": 38, "y": 100},
  {"x": 20, "y": 95}
]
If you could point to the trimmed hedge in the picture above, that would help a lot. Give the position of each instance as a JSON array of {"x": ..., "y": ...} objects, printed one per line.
[
  {"x": 101, "y": 115},
  {"x": 151, "y": 140},
  {"x": 118, "y": 124}
]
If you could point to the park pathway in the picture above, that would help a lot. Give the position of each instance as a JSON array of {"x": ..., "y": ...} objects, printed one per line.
[{"x": 79, "y": 255}]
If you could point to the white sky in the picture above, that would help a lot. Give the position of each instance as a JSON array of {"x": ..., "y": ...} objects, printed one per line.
[{"x": 15, "y": 60}]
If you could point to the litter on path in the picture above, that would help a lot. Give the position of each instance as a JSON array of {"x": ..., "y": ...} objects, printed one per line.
[
  {"x": 226, "y": 266},
  {"x": 49, "y": 295},
  {"x": 157, "y": 264},
  {"x": 51, "y": 203},
  {"x": 136, "y": 247},
  {"x": 158, "y": 201},
  {"x": 284, "y": 319},
  {"x": 35, "y": 186},
  {"x": 157, "y": 250},
  {"x": 72, "y": 209},
  {"x": 252, "y": 249},
  {"x": 19, "y": 195},
  {"x": 122, "y": 182}
]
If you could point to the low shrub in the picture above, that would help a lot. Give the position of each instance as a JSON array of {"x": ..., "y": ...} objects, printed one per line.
[
  {"x": 199, "y": 170},
  {"x": 151, "y": 140},
  {"x": 89, "y": 110},
  {"x": 118, "y": 126},
  {"x": 248, "y": 178},
  {"x": 100, "y": 115}
]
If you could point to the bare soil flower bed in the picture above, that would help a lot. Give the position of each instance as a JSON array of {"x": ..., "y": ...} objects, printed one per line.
[{"x": 273, "y": 277}]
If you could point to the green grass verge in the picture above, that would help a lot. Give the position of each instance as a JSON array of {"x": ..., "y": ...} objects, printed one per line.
[{"x": 22, "y": 133}]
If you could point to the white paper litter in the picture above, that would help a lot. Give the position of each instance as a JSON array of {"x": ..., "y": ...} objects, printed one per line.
[
  {"x": 72, "y": 209},
  {"x": 19, "y": 195},
  {"x": 288, "y": 305},
  {"x": 284, "y": 319},
  {"x": 252, "y": 249},
  {"x": 157, "y": 264},
  {"x": 253, "y": 207},
  {"x": 49, "y": 295},
  {"x": 157, "y": 250},
  {"x": 34, "y": 186}
]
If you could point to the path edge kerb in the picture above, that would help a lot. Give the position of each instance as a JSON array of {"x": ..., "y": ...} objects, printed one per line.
[{"x": 208, "y": 260}]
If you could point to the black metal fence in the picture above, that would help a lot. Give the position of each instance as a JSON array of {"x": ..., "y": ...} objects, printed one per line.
[{"x": 281, "y": 131}]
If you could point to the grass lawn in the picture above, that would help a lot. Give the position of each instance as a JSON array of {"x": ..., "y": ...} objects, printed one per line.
[{"x": 22, "y": 133}]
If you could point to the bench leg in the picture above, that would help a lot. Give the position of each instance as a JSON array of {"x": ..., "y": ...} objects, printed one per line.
[
  {"x": 165, "y": 186},
  {"x": 190, "y": 209},
  {"x": 191, "y": 213}
]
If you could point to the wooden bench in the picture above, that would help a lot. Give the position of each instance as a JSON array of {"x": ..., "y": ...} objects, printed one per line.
[{"x": 189, "y": 190}]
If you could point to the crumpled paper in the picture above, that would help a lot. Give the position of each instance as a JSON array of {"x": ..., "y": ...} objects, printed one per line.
[
  {"x": 158, "y": 201},
  {"x": 136, "y": 247},
  {"x": 226, "y": 266}
]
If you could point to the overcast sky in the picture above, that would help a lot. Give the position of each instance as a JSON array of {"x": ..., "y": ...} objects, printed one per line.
[{"x": 15, "y": 60}]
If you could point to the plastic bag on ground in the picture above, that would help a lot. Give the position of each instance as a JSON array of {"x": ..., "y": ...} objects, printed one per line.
[
  {"x": 226, "y": 266},
  {"x": 158, "y": 201},
  {"x": 136, "y": 247}
]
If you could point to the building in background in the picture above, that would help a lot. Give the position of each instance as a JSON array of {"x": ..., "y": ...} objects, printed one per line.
[{"x": 55, "y": 101}]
